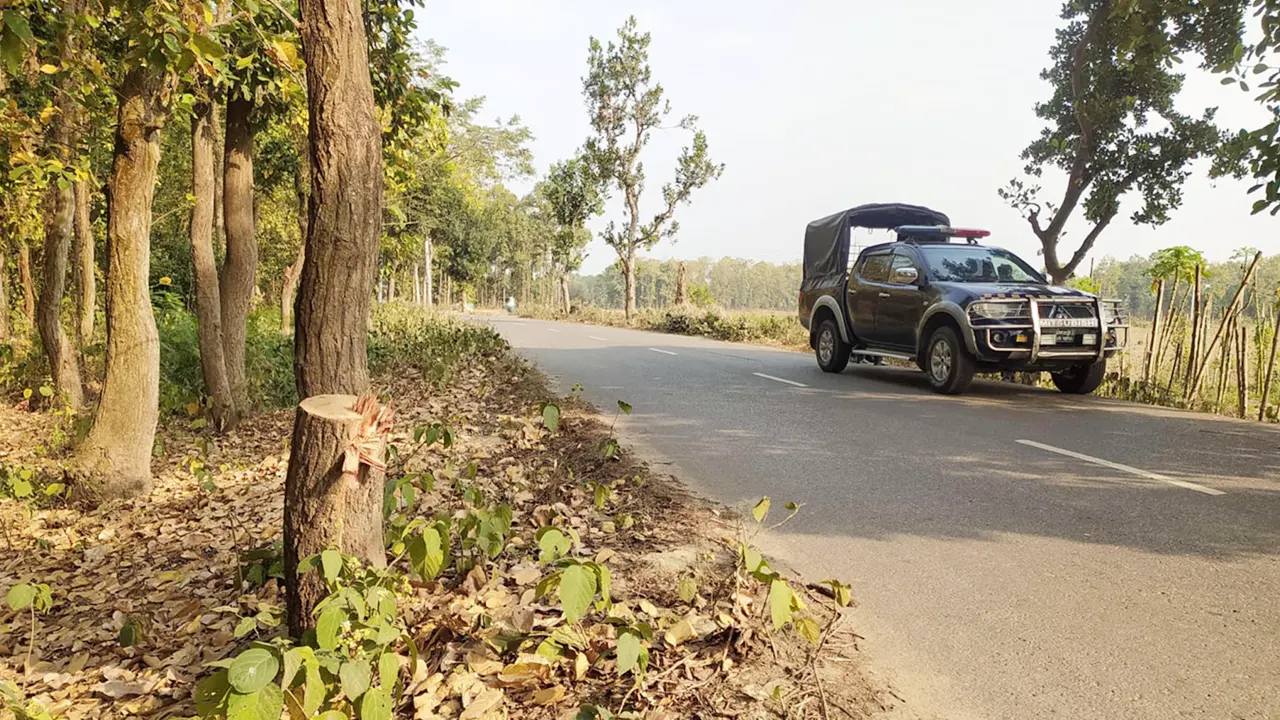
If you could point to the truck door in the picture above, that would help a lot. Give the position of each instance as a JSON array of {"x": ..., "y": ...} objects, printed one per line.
[
  {"x": 866, "y": 289},
  {"x": 900, "y": 312}
]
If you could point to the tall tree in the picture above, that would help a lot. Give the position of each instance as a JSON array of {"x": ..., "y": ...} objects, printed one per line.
[
  {"x": 60, "y": 220},
  {"x": 333, "y": 304},
  {"x": 1112, "y": 124},
  {"x": 573, "y": 195},
  {"x": 239, "y": 269},
  {"x": 1256, "y": 153},
  {"x": 626, "y": 106},
  {"x": 213, "y": 365}
]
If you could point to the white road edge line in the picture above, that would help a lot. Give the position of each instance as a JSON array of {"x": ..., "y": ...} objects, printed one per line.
[
  {"x": 593, "y": 337},
  {"x": 781, "y": 380},
  {"x": 1123, "y": 468},
  {"x": 552, "y": 330},
  {"x": 664, "y": 352}
]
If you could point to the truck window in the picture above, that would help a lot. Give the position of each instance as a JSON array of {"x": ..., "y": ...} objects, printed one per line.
[{"x": 875, "y": 268}]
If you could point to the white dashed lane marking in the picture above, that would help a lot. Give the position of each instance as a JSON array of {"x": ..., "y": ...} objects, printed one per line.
[
  {"x": 594, "y": 337},
  {"x": 781, "y": 380},
  {"x": 664, "y": 352},
  {"x": 1123, "y": 468}
]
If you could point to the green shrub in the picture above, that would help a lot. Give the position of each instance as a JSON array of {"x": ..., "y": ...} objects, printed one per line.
[{"x": 405, "y": 336}]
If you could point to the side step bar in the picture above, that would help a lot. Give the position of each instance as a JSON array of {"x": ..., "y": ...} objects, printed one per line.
[{"x": 885, "y": 354}]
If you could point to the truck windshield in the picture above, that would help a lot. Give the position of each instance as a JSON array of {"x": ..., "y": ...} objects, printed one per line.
[{"x": 970, "y": 264}]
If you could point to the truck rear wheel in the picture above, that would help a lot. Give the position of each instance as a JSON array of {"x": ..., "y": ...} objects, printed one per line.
[
  {"x": 1080, "y": 379},
  {"x": 831, "y": 349},
  {"x": 948, "y": 364}
]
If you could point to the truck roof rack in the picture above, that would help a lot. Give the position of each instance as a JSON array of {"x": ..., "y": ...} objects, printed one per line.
[{"x": 937, "y": 234}]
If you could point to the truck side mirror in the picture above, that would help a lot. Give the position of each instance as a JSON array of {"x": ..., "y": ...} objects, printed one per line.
[{"x": 906, "y": 275}]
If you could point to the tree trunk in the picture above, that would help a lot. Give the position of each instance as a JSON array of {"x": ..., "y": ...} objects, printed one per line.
[
  {"x": 213, "y": 364},
  {"x": 332, "y": 500},
  {"x": 86, "y": 279},
  {"x": 1271, "y": 364},
  {"x": 427, "y": 290},
  {"x": 5, "y": 330},
  {"x": 391, "y": 288},
  {"x": 346, "y": 202},
  {"x": 1224, "y": 361},
  {"x": 1242, "y": 371},
  {"x": 58, "y": 229},
  {"x": 1155, "y": 333},
  {"x": 1227, "y": 314},
  {"x": 28, "y": 283},
  {"x": 115, "y": 458},
  {"x": 680, "y": 299},
  {"x": 239, "y": 270},
  {"x": 291, "y": 274},
  {"x": 1196, "y": 309},
  {"x": 565, "y": 300},
  {"x": 417, "y": 285},
  {"x": 629, "y": 279}
]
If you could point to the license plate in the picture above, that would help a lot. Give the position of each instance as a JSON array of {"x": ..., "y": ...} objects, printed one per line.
[{"x": 1090, "y": 339}]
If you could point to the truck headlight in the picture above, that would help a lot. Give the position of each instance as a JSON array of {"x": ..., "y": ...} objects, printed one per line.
[{"x": 1000, "y": 311}]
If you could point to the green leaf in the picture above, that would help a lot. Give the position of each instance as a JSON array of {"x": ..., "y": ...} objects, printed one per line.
[
  {"x": 426, "y": 553},
  {"x": 314, "y": 694},
  {"x": 688, "y": 589},
  {"x": 253, "y": 670},
  {"x": 211, "y": 692},
  {"x": 553, "y": 544},
  {"x": 1227, "y": 81},
  {"x": 355, "y": 678},
  {"x": 551, "y": 416},
  {"x": 780, "y": 603},
  {"x": 577, "y": 590},
  {"x": 376, "y": 705},
  {"x": 843, "y": 593},
  {"x": 208, "y": 47},
  {"x": 293, "y": 660},
  {"x": 21, "y": 596},
  {"x": 263, "y": 704},
  {"x": 761, "y": 510},
  {"x": 331, "y": 715},
  {"x": 245, "y": 626},
  {"x": 328, "y": 626},
  {"x": 128, "y": 636},
  {"x": 808, "y": 629},
  {"x": 331, "y": 564},
  {"x": 792, "y": 506},
  {"x": 628, "y": 653},
  {"x": 625, "y": 407},
  {"x": 18, "y": 24},
  {"x": 46, "y": 391},
  {"x": 53, "y": 489},
  {"x": 388, "y": 670}
]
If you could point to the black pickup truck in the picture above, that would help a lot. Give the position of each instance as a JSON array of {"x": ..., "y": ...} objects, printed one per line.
[{"x": 954, "y": 307}]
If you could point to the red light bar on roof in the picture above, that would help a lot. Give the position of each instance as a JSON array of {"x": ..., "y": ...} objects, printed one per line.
[
  {"x": 969, "y": 233},
  {"x": 940, "y": 230}
]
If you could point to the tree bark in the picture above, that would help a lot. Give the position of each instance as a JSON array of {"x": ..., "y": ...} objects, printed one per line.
[
  {"x": 629, "y": 277},
  {"x": 1196, "y": 308},
  {"x": 213, "y": 364},
  {"x": 239, "y": 270},
  {"x": 680, "y": 299},
  {"x": 1155, "y": 333},
  {"x": 346, "y": 202},
  {"x": 332, "y": 500},
  {"x": 59, "y": 227},
  {"x": 1271, "y": 365},
  {"x": 391, "y": 288},
  {"x": 565, "y": 301},
  {"x": 115, "y": 459},
  {"x": 417, "y": 285},
  {"x": 1242, "y": 372},
  {"x": 427, "y": 289},
  {"x": 86, "y": 279},
  {"x": 1224, "y": 362},
  {"x": 28, "y": 283},
  {"x": 5, "y": 330}
]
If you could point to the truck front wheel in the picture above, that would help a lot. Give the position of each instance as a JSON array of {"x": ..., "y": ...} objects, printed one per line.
[
  {"x": 831, "y": 349},
  {"x": 1080, "y": 379},
  {"x": 948, "y": 363}
]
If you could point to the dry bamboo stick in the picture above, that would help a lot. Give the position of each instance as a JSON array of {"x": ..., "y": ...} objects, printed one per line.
[
  {"x": 1195, "y": 330},
  {"x": 1155, "y": 332},
  {"x": 1242, "y": 371},
  {"x": 1231, "y": 310},
  {"x": 1271, "y": 364}
]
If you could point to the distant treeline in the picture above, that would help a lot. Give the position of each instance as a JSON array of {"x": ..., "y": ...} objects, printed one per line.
[
  {"x": 741, "y": 284},
  {"x": 728, "y": 282}
]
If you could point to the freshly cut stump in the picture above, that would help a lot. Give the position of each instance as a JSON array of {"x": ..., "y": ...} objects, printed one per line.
[{"x": 332, "y": 493}]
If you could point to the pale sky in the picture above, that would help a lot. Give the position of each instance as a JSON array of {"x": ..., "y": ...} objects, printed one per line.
[{"x": 815, "y": 107}]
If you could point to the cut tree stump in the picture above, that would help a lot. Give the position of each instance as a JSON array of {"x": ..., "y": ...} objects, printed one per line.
[{"x": 332, "y": 493}]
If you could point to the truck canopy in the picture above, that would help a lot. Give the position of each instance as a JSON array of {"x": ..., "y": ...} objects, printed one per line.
[{"x": 826, "y": 241}]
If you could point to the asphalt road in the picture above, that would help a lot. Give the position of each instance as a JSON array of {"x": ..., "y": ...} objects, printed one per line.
[{"x": 999, "y": 575}]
